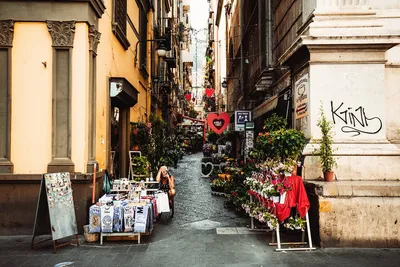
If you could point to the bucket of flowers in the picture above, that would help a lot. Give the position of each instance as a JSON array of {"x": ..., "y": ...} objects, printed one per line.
[
  {"x": 295, "y": 223},
  {"x": 218, "y": 185}
]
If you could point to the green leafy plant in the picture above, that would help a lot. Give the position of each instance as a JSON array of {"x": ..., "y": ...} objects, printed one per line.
[
  {"x": 275, "y": 123},
  {"x": 159, "y": 135},
  {"x": 140, "y": 166},
  {"x": 140, "y": 138},
  {"x": 193, "y": 113},
  {"x": 325, "y": 150},
  {"x": 277, "y": 141}
]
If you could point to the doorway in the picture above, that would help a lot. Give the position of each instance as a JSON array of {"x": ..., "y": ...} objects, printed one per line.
[{"x": 120, "y": 141}]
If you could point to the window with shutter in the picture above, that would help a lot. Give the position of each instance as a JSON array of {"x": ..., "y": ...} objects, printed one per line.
[
  {"x": 120, "y": 22},
  {"x": 143, "y": 37}
]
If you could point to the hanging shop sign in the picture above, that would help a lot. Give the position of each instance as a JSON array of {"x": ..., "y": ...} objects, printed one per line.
[
  {"x": 209, "y": 92},
  {"x": 302, "y": 91},
  {"x": 188, "y": 97},
  {"x": 249, "y": 142},
  {"x": 218, "y": 122},
  {"x": 241, "y": 117}
]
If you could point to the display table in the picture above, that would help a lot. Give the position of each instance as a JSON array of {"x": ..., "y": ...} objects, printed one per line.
[
  {"x": 130, "y": 235},
  {"x": 129, "y": 211}
]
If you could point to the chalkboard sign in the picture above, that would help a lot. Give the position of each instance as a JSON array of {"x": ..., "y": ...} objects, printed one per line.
[{"x": 55, "y": 211}]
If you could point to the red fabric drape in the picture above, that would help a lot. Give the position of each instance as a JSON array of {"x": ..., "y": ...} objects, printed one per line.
[{"x": 297, "y": 197}]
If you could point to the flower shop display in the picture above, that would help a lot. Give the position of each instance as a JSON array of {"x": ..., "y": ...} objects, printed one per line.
[
  {"x": 218, "y": 185},
  {"x": 208, "y": 149},
  {"x": 278, "y": 193},
  {"x": 273, "y": 182}
]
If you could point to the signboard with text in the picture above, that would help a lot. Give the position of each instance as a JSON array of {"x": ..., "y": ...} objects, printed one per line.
[
  {"x": 241, "y": 117},
  {"x": 301, "y": 96},
  {"x": 249, "y": 143}
]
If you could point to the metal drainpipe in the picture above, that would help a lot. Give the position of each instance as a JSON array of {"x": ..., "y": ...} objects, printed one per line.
[
  {"x": 241, "y": 22},
  {"x": 269, "y": 33},
  {"x": 180, "y": 49}
]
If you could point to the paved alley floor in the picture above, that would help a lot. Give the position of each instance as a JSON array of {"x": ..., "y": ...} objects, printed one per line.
[{"x": 202, "y": 233}]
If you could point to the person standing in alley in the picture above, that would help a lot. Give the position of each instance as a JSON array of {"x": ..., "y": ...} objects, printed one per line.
[{"x": 167, "y": 184}]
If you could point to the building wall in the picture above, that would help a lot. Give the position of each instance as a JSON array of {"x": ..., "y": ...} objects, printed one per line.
[
  {"x": 80, "y": 94},
  {"x": 31, "y": 98},
  {"x": 118, "y": 62},
  {"x": 287, "y": 21},
  {"x": 392, "y": 82},
  {"x": 31, "y": 121}
]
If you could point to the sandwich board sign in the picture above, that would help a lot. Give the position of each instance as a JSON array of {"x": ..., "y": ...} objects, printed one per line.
[{"x": 55, "y": 212}]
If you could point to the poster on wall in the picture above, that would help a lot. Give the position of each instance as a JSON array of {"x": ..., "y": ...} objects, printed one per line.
[{"x": 302, "y": 91}]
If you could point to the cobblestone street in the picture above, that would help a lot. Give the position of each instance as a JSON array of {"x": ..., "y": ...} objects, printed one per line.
[{"x": 191, "y": 239}]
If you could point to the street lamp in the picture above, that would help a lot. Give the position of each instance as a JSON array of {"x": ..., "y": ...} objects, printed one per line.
[
  {"x": 161, "y": 49},
  {"x": 224, "y": 84}
]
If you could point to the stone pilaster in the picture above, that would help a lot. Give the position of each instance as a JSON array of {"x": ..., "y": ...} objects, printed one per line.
[
  {"x": 62, "y": 33},
  {"x": 94, "y": 40},
  {"x": 6, "y": 41},
  {"x": 6, "y": 33}
]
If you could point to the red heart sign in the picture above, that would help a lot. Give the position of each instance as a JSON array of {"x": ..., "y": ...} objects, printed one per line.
[
  {"x": 188, "y": 97},
  {"x": 209, "y": 92},
  {"x": 218, "y": 122}
]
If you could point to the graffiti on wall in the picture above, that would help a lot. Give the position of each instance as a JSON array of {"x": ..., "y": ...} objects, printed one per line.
[{"x": 356, "y": 120}]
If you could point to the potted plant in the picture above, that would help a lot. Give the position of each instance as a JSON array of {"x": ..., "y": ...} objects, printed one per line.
[{"x": 325, "y": 150}]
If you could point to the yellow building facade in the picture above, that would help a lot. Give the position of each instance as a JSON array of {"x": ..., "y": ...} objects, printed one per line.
[
  {"x": 68, "y": 80},
  {"x": 60, "y": 60}
]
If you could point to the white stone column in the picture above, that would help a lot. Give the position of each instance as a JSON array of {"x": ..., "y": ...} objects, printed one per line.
[{"x": 348, "y": 75}]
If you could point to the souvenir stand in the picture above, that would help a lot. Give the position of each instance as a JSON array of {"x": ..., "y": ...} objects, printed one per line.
[
  {"x": 128, "y": 211},
  {"x": 275, "y": 210}
]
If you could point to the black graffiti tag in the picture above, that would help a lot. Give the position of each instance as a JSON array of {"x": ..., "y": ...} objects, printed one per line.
[{"x": 356, "y": 121}]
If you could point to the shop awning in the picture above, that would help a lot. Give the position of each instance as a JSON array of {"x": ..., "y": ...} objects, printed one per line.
[
  {"x": 122, "y": 92},
  {"x": 266, "y": 106}
]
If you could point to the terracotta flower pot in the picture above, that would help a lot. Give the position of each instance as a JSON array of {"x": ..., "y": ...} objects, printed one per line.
[{"x": 329, "y": 176}]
